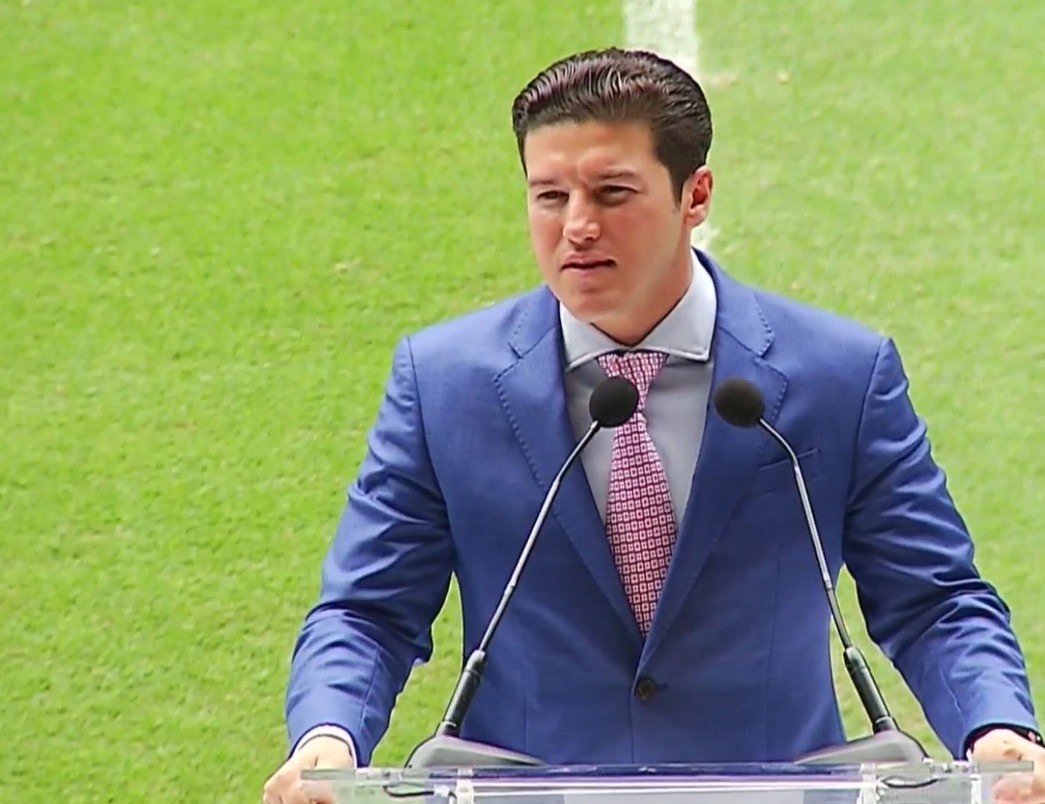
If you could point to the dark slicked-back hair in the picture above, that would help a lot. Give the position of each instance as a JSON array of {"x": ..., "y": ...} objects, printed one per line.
[{"x": 622, "y": 86}]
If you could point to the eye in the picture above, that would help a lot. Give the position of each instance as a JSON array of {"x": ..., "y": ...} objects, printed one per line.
[
  {"x": 551, "y": 195},
  {"x": 615, "y": 192}
]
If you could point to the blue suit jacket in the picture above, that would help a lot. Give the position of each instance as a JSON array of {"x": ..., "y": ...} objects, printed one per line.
[{"x": 472, "y": 429}]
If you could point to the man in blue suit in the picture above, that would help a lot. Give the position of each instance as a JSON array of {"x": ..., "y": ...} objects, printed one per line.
[{"x": 672, "y": 610}]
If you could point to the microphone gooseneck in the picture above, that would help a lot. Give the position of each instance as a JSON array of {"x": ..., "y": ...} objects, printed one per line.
[
  {"x": 611, "y": 404},
  {"x": 741, "y": 404}
]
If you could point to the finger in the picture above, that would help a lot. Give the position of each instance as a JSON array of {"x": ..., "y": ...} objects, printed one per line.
[
  {"x": 269, "y": 795},
  {"x": 270, "y": 792},
  {"x": 272, "y": 795},
  {"x": 278, "y": 788},
  {"x": 282, "y": 789},
  {"x": 319, "y": 792},
  {"x": 308, "y": 793},
  {"x": 1025, "y": 798},
  {"x": 1015, "y": 787}
]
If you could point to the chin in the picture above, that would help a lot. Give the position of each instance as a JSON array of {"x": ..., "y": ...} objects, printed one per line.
[
  {"x": 588, "y": 304},
  {"x": 585, "y": 309}
]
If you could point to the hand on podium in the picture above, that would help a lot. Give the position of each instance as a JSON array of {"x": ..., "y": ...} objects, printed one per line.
[
  {"x": 1004, "y": 745},
  {"x": 323, "y": 751}
]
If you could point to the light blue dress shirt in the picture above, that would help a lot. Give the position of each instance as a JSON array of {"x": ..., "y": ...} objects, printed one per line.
[{"x": 677, "y": 405}]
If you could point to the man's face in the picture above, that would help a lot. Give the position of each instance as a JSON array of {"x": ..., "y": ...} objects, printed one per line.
[{"x": 609, "y": 234}]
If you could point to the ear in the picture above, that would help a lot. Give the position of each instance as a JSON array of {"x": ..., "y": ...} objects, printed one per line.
[{"x": 696, "y": 196}]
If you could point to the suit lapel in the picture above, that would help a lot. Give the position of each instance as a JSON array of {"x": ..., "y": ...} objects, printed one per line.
[
  {"x": 533, "y": 395},
  {"x": 728, "y": 455}
]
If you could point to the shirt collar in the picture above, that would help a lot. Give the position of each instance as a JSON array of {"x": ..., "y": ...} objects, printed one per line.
[{"x": 685, "y": 332}]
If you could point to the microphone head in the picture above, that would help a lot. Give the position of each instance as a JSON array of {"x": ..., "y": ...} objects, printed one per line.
[
  {"x": 613, "y": 401},
  {"x": 739, "y": 402}
]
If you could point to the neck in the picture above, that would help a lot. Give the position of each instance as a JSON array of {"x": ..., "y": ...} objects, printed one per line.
[
  {"x": 630, "y": 328},
  {"x": 629, "y": 331}
]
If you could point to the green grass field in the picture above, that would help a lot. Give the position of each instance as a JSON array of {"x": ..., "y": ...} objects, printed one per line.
[{"x": 216, "y": 219}]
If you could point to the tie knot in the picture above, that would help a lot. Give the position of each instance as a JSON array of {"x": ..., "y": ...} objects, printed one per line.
[{"x": 641, "y": 367}]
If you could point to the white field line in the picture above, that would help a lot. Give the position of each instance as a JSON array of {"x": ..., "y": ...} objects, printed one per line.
[{"x": 668, "y": 28}]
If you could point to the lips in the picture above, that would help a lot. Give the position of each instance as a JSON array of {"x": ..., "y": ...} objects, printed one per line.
[{"x": 587, "y": 263}]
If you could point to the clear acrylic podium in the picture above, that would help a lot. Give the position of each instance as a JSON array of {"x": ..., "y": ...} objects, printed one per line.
[{"x": 928, "y": 783}]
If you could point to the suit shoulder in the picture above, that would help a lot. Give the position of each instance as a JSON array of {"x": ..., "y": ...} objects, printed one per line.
[
  {"x": 813, "y": 345},
  {"x": 797, "y": 323},
  {"x": 482, "y": 330}
]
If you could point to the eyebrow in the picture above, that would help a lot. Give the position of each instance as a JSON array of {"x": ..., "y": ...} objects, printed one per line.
[
  {"x": 541, "y": 182},
  {"x": 623, "y": 173},
  {"x": 605, "y": 175}
]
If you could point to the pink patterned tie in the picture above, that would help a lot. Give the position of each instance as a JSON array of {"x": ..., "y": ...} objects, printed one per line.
[{"x": 640, "y": 521}]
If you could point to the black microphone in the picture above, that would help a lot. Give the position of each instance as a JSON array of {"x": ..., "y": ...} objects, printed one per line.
[
  {"x": 741, "y": 404},
  {"x": 612, "y": 403}
]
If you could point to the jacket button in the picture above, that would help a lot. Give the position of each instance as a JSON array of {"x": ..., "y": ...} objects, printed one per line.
[{"x": 644, "y": 688}]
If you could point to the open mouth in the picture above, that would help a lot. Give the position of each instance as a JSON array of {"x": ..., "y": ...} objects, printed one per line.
[{"x": 588, "y": 265}]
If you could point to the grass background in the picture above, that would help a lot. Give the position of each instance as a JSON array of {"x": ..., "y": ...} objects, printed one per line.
[{"x": 217, "y": 217}]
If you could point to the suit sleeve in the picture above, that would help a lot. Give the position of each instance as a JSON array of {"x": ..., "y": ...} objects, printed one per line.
[
  {"x": 384, "y": 579},
  {"x": 945, "y": 628}
]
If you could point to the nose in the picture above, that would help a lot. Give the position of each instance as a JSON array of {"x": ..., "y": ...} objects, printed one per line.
[{"x": 580, "y": 224}]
